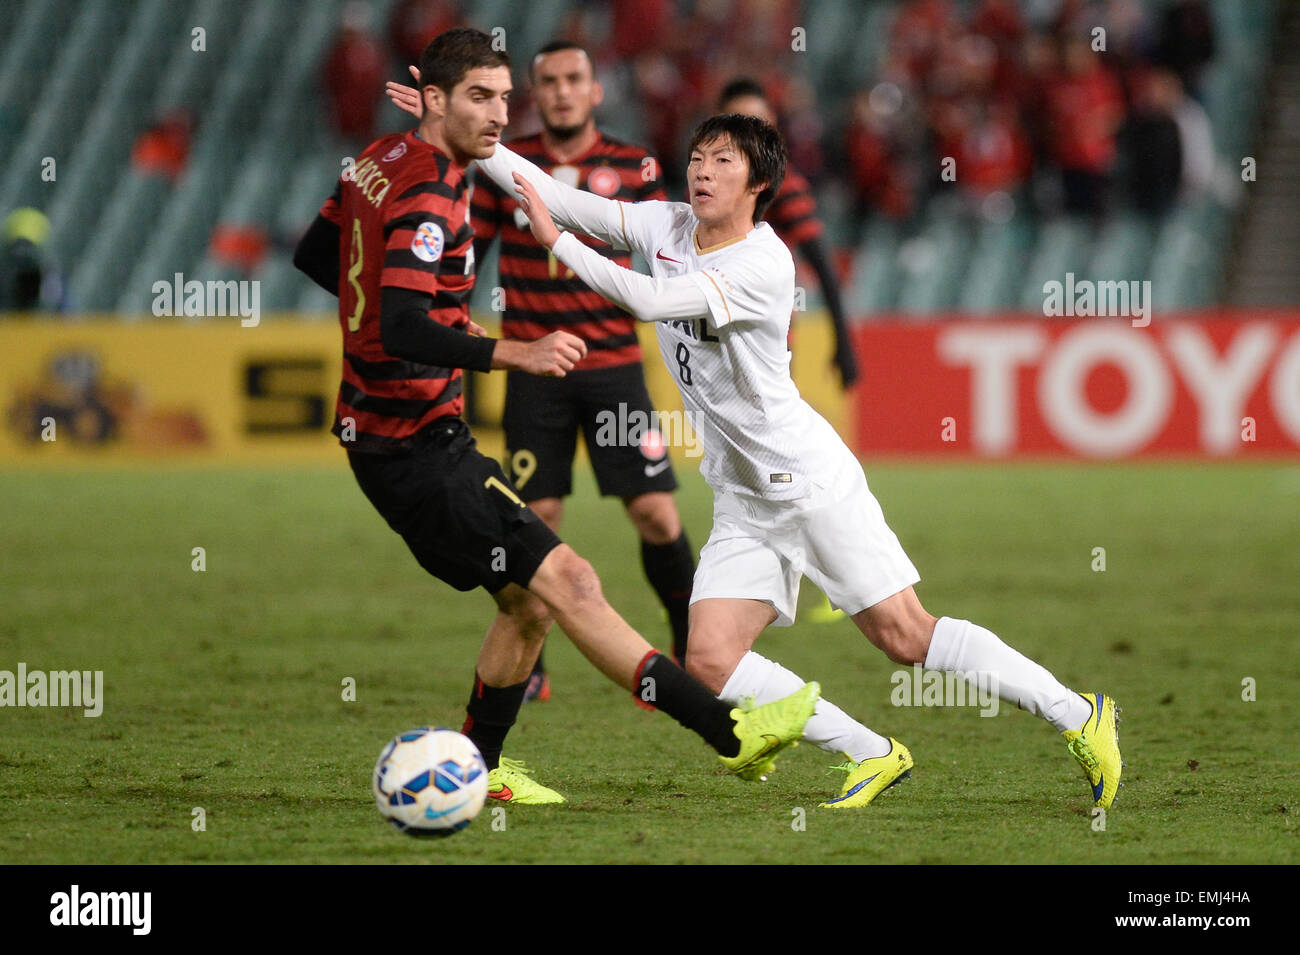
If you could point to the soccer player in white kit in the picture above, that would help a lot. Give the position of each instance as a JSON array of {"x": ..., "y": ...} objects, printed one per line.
[{"x": 790, "y": 497}]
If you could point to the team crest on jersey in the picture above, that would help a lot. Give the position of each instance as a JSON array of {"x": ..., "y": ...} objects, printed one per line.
[
  {"x": 397, "y": 152},
  {"x": 603, "y": 181},
  {"x": 427, "y": 244}
]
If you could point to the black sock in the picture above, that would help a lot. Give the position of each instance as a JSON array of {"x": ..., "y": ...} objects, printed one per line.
[
  {"x": 663, "y": 685},
  {"x": 670, "y": 568},
  {"x": 490, "y": 714}
]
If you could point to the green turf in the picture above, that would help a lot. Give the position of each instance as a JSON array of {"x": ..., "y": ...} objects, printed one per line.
[{"x": 223, "y": 688}]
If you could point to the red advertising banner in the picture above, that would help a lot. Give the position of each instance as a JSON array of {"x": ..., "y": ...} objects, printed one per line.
[{"x": 1215, "y": 384}]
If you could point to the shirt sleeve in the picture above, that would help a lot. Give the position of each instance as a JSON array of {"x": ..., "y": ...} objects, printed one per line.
[
  {"x": 648, "y": 298},
  {"x": 418, "y": 235},
  {"x": 332, "y": 210},
  {"x": 570, "y": 208}
]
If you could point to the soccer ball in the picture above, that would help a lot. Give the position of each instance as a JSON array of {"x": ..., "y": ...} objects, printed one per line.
[{"x": 430, "y": 782}]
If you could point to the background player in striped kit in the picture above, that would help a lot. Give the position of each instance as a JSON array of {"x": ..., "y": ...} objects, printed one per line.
[
  {"x": 793, "y": 214},
  {"x": 544, "y": 415}
]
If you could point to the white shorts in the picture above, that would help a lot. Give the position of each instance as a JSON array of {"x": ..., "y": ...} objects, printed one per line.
[{"x": 838, "y": 537}]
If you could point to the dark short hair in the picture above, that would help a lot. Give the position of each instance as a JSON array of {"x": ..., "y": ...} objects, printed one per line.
[
  {"x": 741, "y": 86},
  {"x": 761, "y": 144},
  {"x": 558, "y": 46},
  {"x": 451, "y": 55}
]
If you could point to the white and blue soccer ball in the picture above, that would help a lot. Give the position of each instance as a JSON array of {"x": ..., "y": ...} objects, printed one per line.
[{"x": 430, "y": 782}]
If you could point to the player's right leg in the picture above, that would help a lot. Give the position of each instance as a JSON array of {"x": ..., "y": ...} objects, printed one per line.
[
  {"x": 742, "y": 585},
  {"x": 746, "y": 741},
  {"x": 725, "y": 631},
  {"x": 505, "y": 661},
  {"x": 631, "y": 463},
  {"x": 541, "y": 422},
  {"x": 551, "y": 511}
]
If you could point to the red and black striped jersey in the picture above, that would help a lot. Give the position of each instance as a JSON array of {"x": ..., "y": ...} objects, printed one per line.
[
  {"x": 541, "y": 293},
  {"x": 403, "y": 217},
  {"x": 793, "y": 212}
]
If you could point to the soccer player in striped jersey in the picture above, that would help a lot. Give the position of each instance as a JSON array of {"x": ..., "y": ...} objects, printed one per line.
[
  {"x": 793, "y": 214},
  {"x": 789, "y": 497},
  {"x": 395, "y": 244},
  {"x": 543, "y": 416}
]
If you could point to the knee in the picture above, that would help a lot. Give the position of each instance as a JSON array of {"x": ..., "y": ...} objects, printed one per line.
[
  {"x": 706, "y": 662},
  {"x": 655, "y": 518},
  {"x": 904, "y": 640},
  {"x": 529, "y": 616},
  {"x": 581, "y": 587}
]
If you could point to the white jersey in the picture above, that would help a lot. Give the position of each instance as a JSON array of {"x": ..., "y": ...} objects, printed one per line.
[{"x": 723, "y": 315}]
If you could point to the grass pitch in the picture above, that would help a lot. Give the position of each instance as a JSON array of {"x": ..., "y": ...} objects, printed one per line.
[{"x": 223, "y": 688}]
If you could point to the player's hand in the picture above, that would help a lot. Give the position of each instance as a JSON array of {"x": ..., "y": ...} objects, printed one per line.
[
  {"x": 539, "y": 217},
  {"x": 474, "y": 328},
  {"x": 406, "y": 98},
  {"x": 555, "y": 355}
]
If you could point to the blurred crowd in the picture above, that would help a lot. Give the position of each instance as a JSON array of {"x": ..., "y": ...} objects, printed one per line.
[
  {"x": 1076, "y": 106},
  {"x": 995, "y": 107}
]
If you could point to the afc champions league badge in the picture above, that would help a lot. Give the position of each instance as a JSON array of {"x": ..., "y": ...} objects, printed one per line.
[{"x": 427, "y": 244}]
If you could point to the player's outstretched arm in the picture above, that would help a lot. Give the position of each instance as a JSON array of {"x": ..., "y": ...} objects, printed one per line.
[
  {"x": 648, "y": 298},
  {"x": 572, "y": 208}
]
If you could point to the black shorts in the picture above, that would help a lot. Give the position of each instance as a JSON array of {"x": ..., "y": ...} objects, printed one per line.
[
  {"x": 542, "y": 419},
  {"x": 455, "y": 509}
]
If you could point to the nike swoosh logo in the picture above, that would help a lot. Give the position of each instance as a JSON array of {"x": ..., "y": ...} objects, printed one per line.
[
  {"x": 504, "y": 794},
  {"x": 660, "y": 255},
  {"x": 856, "y": 789},
  {"x": 430, "y": 814},
  {"x": 652, "y": 469},
  {"x": 1100, "y": 788}
]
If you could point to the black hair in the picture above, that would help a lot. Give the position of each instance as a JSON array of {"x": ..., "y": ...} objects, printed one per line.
[
  {"x": 557, "y": 46},
  {"x": 451, "y": 55},
  {"x": 741, "y": 86},
  {"x": 761, "y": 144}
]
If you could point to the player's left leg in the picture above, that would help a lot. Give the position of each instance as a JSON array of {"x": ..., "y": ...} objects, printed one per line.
[
  {"x": 860, "y": 564},
  {"x": 666, "y": 558},
  {"x": 902, "y": 628}
]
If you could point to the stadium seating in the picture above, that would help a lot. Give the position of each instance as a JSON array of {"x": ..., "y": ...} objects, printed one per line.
[{"x": 262, "y": 155}]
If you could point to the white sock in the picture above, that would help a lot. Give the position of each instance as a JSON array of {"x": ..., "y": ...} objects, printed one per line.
[
  {"x": 962, "y": 646},
  {"x": 830, "y": 727}
]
